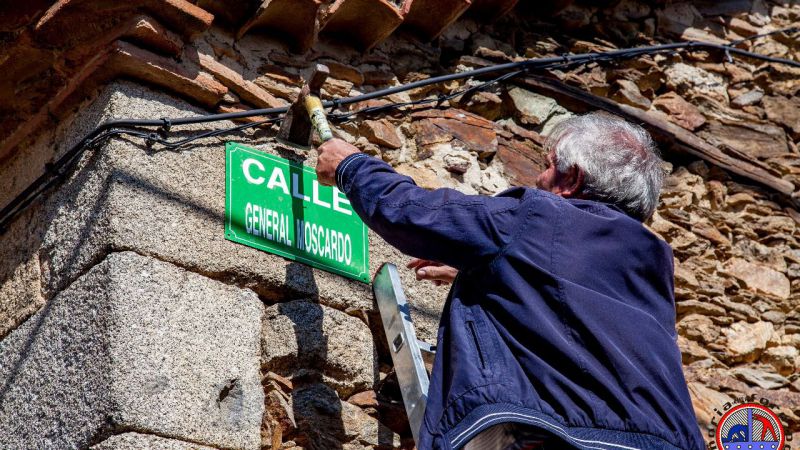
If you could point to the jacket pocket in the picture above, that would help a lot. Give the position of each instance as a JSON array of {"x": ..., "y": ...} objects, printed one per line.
[
  {"x": 476, "y": 342},
  {"x": 482, "y": 341}
]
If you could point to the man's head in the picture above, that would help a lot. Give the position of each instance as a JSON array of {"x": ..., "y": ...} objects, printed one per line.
[{"x": 602, "y": 157}]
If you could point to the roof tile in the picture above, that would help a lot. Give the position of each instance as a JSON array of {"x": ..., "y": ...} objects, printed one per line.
[
  {"x": 364, "y": 22},
  {"x": 430, "y": 17}
]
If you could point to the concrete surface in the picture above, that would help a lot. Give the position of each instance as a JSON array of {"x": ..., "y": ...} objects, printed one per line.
[{"x": 140, "y": 344}]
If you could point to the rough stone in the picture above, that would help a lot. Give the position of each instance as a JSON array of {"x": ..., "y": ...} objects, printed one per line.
[
  {"x": 679, "y": 111},
  {"x": 746, "y": 341},
  {"x": 705, "y": 400},
  {"x": 760, "y": 378},
  {"x": 457, "y": 163},
  {"x": 381, "y": 132},
  {"x": 462, "y": 129},
  {"x": 759, "y": 278},
  {"x": 628, "y": 92},
  {"x": 302, "y": 339},
  {"x": 785, "y": 111},
  {"x": 749, "y": 98},
  {"x": 138, "y": 344},
  {"x": 137, "y": 441},
  {"x": 324, "y": 421},
  {"x": 533, "y": 109},
  {"x": 678, "y": 237},
  {"x": 699, "y": 307},
  {"x": 783, "y": 358},
  {"x": 630, "y": 10},
  {"x": 692, "y": 81},
  {"x": 699, "y": 328},
  {"x": 752, "y": 139},
  {"x": 485, "y": 104},
  {"x": 522, "y": 160},
  {"x": 692, "y": 352}
]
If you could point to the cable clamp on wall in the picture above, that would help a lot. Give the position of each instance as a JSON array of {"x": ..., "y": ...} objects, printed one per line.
[{"x": 164, "y": 129}]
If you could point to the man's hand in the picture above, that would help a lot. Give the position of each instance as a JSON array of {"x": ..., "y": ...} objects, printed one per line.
[
  {"x": 331, "y": 153},
  {"x": 434, "y": 271}
]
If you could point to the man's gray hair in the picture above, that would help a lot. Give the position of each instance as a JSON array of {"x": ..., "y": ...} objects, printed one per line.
[{"x": 621, "y": 163}]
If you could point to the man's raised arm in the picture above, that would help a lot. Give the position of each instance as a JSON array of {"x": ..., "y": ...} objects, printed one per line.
[{"x": 442, "y": 225}]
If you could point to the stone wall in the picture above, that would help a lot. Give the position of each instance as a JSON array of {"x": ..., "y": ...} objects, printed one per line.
[{"x": 128, "y": 321}]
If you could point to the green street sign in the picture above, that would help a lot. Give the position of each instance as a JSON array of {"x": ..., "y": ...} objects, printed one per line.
[{"x": 278, "y": 206}]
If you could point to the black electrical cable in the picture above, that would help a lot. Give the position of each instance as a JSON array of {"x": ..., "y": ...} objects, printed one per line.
[{"x": 55, "y": 171}]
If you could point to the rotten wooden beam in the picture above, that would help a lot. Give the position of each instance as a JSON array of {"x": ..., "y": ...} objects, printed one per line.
[{"x": 665, "y": 133}]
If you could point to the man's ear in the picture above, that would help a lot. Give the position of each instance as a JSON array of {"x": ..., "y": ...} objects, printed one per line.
[{"x": 571, "y": 183}]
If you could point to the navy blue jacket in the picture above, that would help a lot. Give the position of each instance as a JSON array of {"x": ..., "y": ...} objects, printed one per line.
[{"x": 562, "y": 315}]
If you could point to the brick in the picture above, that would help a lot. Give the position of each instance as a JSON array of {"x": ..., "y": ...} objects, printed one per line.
[
  {"x": 15, "y": 15},
  {"x": 35, "y": 121},
  {"x": 245, "y": 89},
  {"x": 67, "y": 17},
  {"x": 149, "y": 32},
  {"x": 127, "y": 59},
  {"x": 59, "y": 75}
]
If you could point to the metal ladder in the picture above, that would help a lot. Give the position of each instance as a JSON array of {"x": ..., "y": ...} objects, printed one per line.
[{"x": 408, "y": 354}]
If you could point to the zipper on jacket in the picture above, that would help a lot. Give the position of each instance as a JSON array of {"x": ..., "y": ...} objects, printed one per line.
[{"x": 474, "y": 332}]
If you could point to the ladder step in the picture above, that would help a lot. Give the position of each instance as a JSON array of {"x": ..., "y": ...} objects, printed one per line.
[
  {"x": 406, "y": 350},
  {"x": 428, "y": 351}
]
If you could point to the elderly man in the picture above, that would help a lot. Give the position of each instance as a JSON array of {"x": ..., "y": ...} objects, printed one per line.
[{"x": 559, "y": 330}]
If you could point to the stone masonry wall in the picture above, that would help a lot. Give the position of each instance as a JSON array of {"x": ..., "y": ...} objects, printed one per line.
[{"x": 128, "y": 321}]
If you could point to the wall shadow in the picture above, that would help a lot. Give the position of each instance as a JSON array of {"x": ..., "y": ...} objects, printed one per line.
[{"x": 316, "y": 407}]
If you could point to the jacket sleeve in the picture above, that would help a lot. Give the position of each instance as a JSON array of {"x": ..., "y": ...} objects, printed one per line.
[{"x": 443, "y": 225}]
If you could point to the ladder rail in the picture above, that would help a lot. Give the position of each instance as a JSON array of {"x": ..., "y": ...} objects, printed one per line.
[{"x": 403, "y": 344}]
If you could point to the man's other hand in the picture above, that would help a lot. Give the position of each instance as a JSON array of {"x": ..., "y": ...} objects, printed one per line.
[
  {"x": 436, "y": 272},
  {"x": 331, "y": 153}
]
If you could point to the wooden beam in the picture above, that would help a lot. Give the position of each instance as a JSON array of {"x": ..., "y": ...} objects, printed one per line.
[{"x": 664, "y": 132}]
